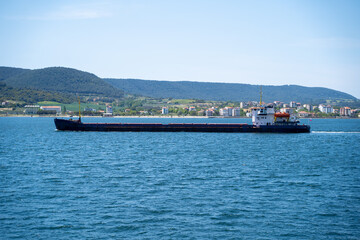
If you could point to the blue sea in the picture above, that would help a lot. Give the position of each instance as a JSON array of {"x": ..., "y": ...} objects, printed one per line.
[{"x": 140, "y": 185}]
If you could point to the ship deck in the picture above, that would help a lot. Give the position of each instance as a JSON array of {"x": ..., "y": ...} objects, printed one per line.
[{"x": 71, "y": 125}]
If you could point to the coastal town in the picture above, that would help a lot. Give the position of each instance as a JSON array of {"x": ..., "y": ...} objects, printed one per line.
[
  {"x": 301, "y": 110},
  {"x": 173, "y": 108}
]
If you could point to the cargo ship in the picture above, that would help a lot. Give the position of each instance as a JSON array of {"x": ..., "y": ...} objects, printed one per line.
[{"x": 264, "y": 120}]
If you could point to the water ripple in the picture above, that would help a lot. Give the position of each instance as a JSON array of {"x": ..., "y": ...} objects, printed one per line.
[{"x": 70, "y": 185}]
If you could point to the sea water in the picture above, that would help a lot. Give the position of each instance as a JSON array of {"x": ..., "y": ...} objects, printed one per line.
[{"x": 142, "y": 185}]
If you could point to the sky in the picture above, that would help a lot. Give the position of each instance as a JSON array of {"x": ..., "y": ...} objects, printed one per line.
[{"x": 313, "y": 43}]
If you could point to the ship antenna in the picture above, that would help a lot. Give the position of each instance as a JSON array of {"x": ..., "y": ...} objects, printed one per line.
[
  {"x": 260, "y": 95},
  {"x": 79, "y": 109}
]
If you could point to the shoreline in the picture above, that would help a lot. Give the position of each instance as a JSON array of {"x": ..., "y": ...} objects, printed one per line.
[
  {"x": 68, "y": 116},
  {"x": 149, "y": 117}
]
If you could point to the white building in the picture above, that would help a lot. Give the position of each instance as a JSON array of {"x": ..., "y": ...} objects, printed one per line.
[
  {"x": 277, "y": 103},
  {"x": 108, "y": 109},
  {"x": 89, "y": 109},
  {"x": 164, "y": 111},
  {"x": 209, "y": 112},
  {"x": 192, "y": 109},
  {"x": 236, "y": 112},
  {"x": 293, "y": 104},
  {"x": 325, "y": 109},
  {"x": 31, "y": 109},
  {"x": 57, "y": 109},
  {"x": 308, "y": 107},
  {"x": 226, "y": 112},
  {"x": 345, "y": 111},
  {"x": 303, "y": 114},
  {"x": 287, "y": 110}
]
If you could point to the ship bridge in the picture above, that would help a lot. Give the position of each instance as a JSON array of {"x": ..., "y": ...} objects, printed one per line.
[{"x": 262, "y": 115}]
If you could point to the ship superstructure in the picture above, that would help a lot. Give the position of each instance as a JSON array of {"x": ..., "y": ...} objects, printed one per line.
[
  {"x": 262, "y": 115},
  {"x": 266, "y": 116}
]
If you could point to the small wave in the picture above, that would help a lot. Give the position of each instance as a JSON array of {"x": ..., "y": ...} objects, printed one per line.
[{"x": 331, "y": 132}]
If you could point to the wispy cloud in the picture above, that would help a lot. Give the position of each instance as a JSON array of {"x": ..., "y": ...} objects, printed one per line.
[{"x": 73, "y": 14}]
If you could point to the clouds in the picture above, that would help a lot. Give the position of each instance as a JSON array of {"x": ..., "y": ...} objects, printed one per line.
[{"x": 75, "y": 14}]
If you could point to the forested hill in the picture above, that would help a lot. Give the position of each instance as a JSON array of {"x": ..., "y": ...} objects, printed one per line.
[
  {"x": 7, "y": 72},
  {"x": 227, "y": 91},
  {"x": 68, "y": 81},
  {"x": 58, "y": 79}
]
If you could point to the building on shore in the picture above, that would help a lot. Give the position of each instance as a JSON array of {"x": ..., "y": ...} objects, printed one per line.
[
  {"x": 277, "y": 103},
  {"x": 308, "y": 107},
  {"x": 209, "y": 112},
  {"x": 57, "y": 109},
  {"x": 298, "y": 106},
  {"x": 287, "y": 110},
  {"x": 292, "y": 104},
  {"x": 143, "y": 112},
  {"x": 303, "y": 114},
  {"x": 31, "y": 109},
  {"x": 164, "y": 111},
  {"x": 192, "y": 109},
  {"x": 325, "y": 109},
  {"x": 345, "y": 111},
  {"x": 109, "y": 109},
  {"x": 226, "y": 112},
  {"x": 236, "y": 112},
  {"x": 89, "y": 110},
  {"x": 201, "y": 113}
]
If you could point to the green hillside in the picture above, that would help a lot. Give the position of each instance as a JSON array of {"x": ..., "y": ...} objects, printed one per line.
[
  {"x": 227, "y": 91},
  {"x": 6, "y": 72},
  {"x": 59, "y": 79},
  {"x": 59, "y": 84},
  {"x": 33, "y": 96}
]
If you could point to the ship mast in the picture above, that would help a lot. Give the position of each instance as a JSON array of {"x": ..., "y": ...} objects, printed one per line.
[
  {"x": 79, "y": 110},
  {"x": 260, "y": 95}
]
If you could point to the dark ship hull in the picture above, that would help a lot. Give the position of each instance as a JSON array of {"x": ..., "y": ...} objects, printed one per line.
[{"x": 76, "y": 125}]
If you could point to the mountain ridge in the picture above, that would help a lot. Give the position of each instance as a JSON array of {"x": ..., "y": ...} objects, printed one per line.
[
  {"x": 60, "y": 79},
  {"x": 227, "y": 91},
  {"x": 73, "y": 81}
]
